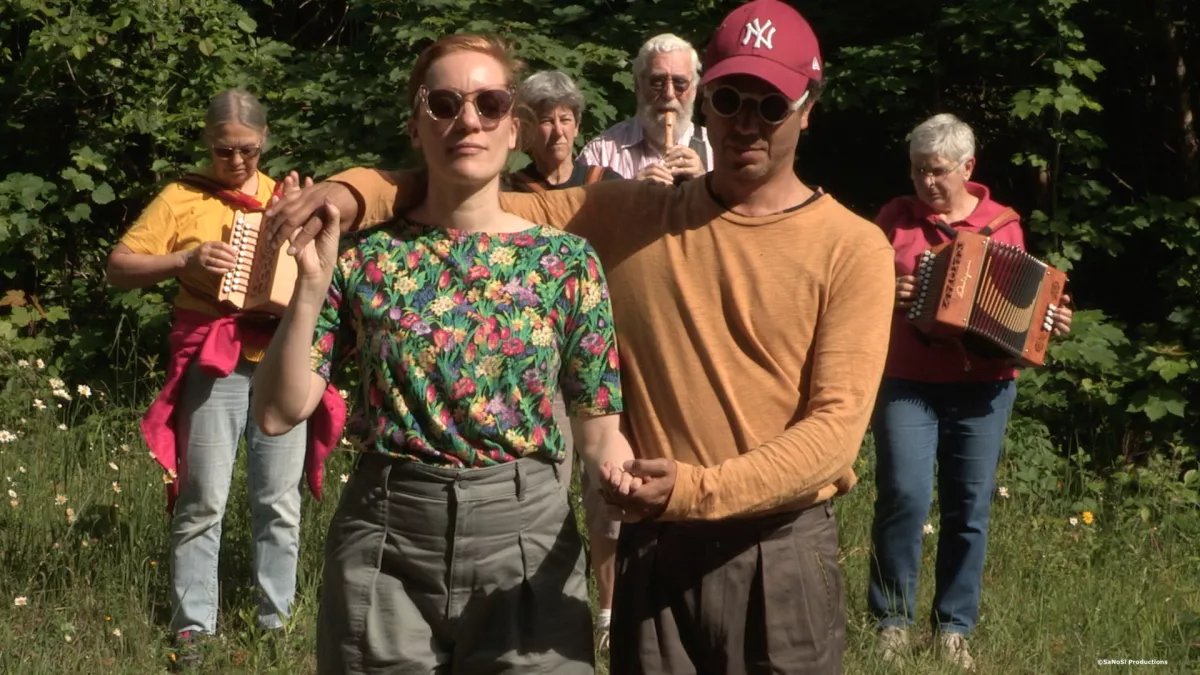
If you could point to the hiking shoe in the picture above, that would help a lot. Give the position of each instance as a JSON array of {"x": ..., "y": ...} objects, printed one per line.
[
  {"x": 892, "y": 643},
  {"x": 952, "y": 647}
]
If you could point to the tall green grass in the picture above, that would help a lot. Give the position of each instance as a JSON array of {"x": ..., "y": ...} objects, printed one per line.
[{"x": 1057, "y": 597}]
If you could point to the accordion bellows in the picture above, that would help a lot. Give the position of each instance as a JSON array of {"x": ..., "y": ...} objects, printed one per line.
[
  {"x": 264, "y": 276},
  {"x": 993, "y": 297}
]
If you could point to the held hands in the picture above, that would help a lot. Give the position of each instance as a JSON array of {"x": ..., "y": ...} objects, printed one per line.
[
  {"x": 638, "y": 490},
  {"x": 299, "y": 216},
  {"x": 316, "y": 259}
]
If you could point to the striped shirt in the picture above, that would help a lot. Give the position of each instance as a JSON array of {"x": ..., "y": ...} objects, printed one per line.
[{"x": 625, "y": 150}]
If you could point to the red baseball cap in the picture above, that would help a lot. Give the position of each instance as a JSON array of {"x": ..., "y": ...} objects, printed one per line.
[{"x": 768, "y": 40}]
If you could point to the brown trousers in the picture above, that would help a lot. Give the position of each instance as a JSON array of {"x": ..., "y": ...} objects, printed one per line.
[{"x": 734, "y": 597}]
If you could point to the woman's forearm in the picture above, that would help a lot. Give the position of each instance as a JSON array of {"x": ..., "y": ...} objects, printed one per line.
[
  {"x": 286, "y": 390},
  {"x": 128, "y": 270},
  {"x": 599, "y": 440}
]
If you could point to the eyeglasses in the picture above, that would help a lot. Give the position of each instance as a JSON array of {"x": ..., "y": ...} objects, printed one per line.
[
  {"x": 445, "y": 105},
  {"x": 658, "y": 83},
  {"x": 936, "y": 173},
  {"x": 773, "y": 108},
  {"x": 246, "y": 151}
]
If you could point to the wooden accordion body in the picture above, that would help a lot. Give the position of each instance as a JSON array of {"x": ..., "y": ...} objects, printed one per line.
[
  {"x": 264, "y": 277},
  {"x": 993, "y": 297}
]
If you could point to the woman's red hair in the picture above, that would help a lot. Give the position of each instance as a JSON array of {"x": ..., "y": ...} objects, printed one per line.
[{"x": 463, "y": 42}]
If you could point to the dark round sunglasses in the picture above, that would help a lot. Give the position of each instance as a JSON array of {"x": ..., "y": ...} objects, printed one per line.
[
  {"x": 773, "y": 108},
  {"x": 445, "y": 105}
]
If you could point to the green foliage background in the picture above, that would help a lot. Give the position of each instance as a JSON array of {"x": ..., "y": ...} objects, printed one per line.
[{"x": 1084, "y": 110}]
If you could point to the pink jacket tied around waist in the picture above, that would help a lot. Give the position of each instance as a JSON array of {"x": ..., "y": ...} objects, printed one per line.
[{"x": 216, "y": 345}]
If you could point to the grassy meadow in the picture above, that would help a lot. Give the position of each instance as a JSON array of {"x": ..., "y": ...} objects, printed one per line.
[{"x": 84, "y": 563}]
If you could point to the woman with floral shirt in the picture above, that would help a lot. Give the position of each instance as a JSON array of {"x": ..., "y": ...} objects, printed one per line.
[{"x": 454, "y": 545}]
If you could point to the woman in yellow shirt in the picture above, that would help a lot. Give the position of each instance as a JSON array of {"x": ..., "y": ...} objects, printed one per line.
[{"x": 195, "y": 425}]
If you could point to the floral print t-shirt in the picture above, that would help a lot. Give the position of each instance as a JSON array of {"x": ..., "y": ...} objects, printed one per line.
[{"x": 462, "y": 339}]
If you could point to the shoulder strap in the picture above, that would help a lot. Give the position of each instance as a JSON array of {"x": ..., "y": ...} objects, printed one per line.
[
  {"x": 1002, "y": 220},
  {"x": 233, "y": 198},
  {"x": 594, "y": 175},
  {"x": 525, "y": 179},
  {"x": 698, "y": 145}
]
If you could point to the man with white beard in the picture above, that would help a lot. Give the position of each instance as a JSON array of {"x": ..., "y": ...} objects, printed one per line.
[{"x": 665, "y": 72}]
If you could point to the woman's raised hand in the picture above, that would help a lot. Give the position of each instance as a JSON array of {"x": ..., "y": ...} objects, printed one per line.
[{"x": 317, "y": 259}]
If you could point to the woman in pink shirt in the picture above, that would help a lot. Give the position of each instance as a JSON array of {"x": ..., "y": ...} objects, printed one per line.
[{"x": 938, "y": 403}]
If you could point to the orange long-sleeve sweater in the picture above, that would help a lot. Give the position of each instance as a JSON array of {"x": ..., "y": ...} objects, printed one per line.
[{"x": 751, "y": 348}]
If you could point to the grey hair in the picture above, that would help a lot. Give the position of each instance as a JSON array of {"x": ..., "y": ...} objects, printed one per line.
[
  {"x": 235, "y": 106},
  {"x": 943, "y": 135},
  {"x": 663, "y": 44},
  {"x": 548, "y": 89}
]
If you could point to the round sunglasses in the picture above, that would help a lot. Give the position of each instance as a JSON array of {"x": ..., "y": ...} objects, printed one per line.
[
  {"x": 445, "y": 105},
  {"x": 773, "y": 108}
]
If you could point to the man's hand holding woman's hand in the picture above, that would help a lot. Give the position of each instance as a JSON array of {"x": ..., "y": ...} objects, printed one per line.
[
  {"x": 299, "y": 215},
  {"x": 316, "y": 259},
  {"x": 650, "y": 483}
]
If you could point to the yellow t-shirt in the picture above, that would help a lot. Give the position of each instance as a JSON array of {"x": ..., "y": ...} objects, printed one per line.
[{"x": 181, "y": 218}]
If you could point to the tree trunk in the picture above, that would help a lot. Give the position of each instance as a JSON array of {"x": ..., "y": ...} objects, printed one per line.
[{"x": 1181, "y": 78}]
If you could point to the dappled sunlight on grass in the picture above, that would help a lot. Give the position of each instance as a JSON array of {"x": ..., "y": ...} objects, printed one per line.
[{"x": 84, "y": 540}]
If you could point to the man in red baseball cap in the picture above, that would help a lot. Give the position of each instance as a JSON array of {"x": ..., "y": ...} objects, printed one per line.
[{"x": 753, "y": 315}]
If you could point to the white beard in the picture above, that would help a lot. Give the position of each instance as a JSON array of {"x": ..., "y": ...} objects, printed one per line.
[{"x": 654, "y": 125}]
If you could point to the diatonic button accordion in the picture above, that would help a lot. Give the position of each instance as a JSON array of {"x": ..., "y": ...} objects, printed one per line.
[
  {"x": 997, "y": 299},
  {"x": 264, "y": 276}
]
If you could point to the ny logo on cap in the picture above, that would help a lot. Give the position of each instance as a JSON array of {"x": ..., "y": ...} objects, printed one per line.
[{"x": 761, "y": 32}]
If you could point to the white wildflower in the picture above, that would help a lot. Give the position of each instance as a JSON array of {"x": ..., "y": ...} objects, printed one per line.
[
  {"x": 1073, "y": 521},
  {"x": 56, "y": 383},
  {"x": 928, "y": 529},
  {"x": 20, "y": 601},
  {"x": 84, "y": 391},
  {"x": 1003, "y": 492},
  {"x": 345, "y": 478},
  {"x": 6, "y": 436},
  {"x": 63, "y": 394},
  {"x": 62, "y": 427},
  {"x": 60, "y": 500},
  {"x": 41, "y": 365},
  {"x": 113, "y": 466},
  {"x": 37, "y": 403},
  {"x": 116, "y": 487},
  {"x": 22, "y": 363}
]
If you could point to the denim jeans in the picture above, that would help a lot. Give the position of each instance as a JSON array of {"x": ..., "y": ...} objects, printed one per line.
[
  {"x": 960, "y": 426},
  {"x": 215, "y": 413}
]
